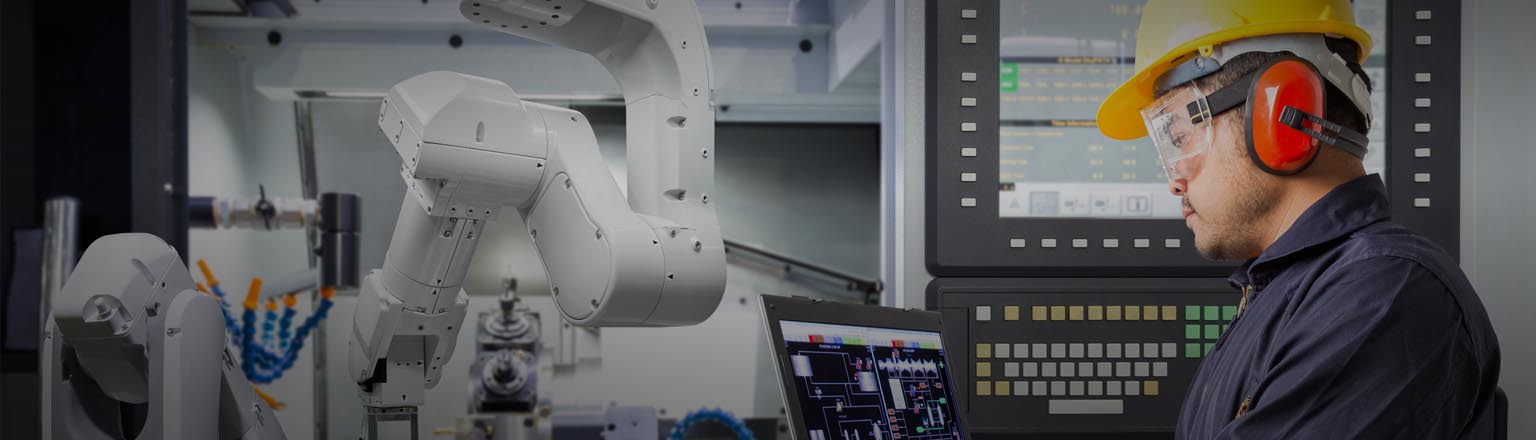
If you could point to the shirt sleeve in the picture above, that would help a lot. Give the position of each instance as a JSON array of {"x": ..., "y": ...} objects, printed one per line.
[{"x": 1374, "y": 350}]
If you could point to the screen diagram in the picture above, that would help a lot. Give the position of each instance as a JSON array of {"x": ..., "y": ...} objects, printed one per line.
[{"x": 870, "y": 383}]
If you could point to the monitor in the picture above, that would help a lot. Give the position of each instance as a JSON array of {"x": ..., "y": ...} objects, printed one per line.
[{"x": 861, "y": 372}]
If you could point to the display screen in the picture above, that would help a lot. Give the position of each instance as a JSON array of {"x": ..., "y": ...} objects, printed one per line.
[
  {"x": 1059, "y": 59},
  {"x": 870, "y": 383}
]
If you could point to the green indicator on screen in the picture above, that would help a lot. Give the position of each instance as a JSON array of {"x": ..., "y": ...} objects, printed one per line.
[{"x": 1008, "y": 77}]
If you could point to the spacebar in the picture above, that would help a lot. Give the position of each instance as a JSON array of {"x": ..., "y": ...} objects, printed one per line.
[{"x": 1087, "y": 407}]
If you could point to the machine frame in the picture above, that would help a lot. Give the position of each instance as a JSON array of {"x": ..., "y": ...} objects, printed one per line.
[{"x": 967, "y": 237}]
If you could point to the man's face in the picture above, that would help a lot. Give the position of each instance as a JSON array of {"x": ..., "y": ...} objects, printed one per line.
[{"x": 1225, "y": 195}]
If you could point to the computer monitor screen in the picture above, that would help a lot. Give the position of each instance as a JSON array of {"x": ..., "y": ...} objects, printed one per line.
[
  {"x": 856, "y": 382},
  {"x": 1058, "y": 60}
]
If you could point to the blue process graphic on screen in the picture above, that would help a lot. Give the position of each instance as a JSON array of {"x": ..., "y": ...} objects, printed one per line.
[{"x": 870, "y": 383}]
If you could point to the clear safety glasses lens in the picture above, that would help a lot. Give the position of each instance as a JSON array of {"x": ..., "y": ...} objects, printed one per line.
[{"x": 1180, "y": 127}]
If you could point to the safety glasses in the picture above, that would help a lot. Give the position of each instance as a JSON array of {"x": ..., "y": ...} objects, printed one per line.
[{"x": 1179, "y": 124}]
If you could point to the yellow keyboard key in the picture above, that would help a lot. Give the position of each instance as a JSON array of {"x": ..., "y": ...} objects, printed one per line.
[
  {"x": 1112, "y": 313},
  {"x": 1075, "y": 313},
  {"x": 983, "y": 369},
  {"x": 1038, "y": 313},
  {"x": 1010, "y": 313},
  {"x": 1001, "y": 387},
  {"x": 983, "y": 351},
  {"x": 1149, "y": 388},
  {"x": 1132, "y": 313},
  {"x": 1149, "y": 312},
  {"x": 984, "y": 388},
  {"x": 1058, "y": 313},
  {"x": 1095, "y": 313}
]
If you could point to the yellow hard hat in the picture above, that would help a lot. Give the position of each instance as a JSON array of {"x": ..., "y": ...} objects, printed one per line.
[{"x": 1173, "y": 31}]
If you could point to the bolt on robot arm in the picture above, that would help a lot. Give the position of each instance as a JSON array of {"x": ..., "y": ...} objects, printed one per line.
[{"x": 471, "y": 148}]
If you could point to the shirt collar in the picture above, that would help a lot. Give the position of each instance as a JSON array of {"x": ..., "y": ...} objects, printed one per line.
[{"x": 1344, "y": 210}]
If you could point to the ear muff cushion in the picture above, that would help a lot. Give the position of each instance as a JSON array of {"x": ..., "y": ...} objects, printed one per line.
[{"x": 1273, "y": 146}]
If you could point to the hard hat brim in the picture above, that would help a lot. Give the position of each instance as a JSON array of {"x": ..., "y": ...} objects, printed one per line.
[{"x": 1119, "y": 116}]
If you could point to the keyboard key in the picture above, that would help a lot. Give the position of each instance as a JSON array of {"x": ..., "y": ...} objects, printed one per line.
[
  {"x": 1075, "y": 350},
  {"x": 1075, "y": 388},
  {"x": 983, "y": 369},
  {"x": 1228, "y": 313},
  {"x": 1058, "y": 351},
  {"x": 1133, "y": 351},
  {"x": 1095, "y": 388},
  {"x": 1143, "y": 369},
  {"x": 1170, "y": 350},
  {"x": 1192, "y": 331},
  {"x": 1192, "y": 350},
  {"x": 1085, "y": 369},
  {"x": 1170, "y": 313},
  {"x": 1085, "y": 406},
  {"x": 1212, "y": 313},
  {"x": 1149, "y": 350},
  {"x": 1075, "y": 313},
  {"x": 1001, "y": 351},
  {"x": 1095, "y": 313},
  {"x": 984, "y": 388},
  {"x": 1208, "y": 347},
  {"x": 1112, "y": 351},
  {"x": 1149, "y": 388},
  {"x": 1029, "y": 369},
  {"x": 1132, "y": 313},
  {"x": 1002, "y": 388},
  {"x": 1058, "y": 313},
  {"x": 1038, "y": 313},
  {"x": 1212, "y": 331},
  {"x": 1123, "y": 369},
  {"x": 1150, "y": 313},
  {"x": 1011, "y": 369},
  {"x": 983, "y": 313},
  {"x": 1021, "y": 351},
  {"x": 1112, "y": 313},
  {"x": 1037, "y": 351},
  {"x": 1191, "y": 313},
  {"x": 1037, "y": 388},
  {"x": 1068, "y": 369},
  {"x": 1020, "y": 388},
  {"x": 1058, "y": 388},
  {"x": 1010, "y": 313},
  {"x": 1104, "y": 369},
  {"x": 1133, "y": 388},
  {"x": 1048, "y": 369},
  {"x": 1160, "y": 369},
  {"x": 1112, "y": 388},
  {"x": 1095, "y": 351}
]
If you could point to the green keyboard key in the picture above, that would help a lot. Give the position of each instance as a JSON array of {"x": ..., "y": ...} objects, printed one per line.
[
  {"x": 1212, "y": 331},
  {"x": 1192, "y": 350},
  {"x": 1192, "y": 331},
  {"x": 1212, "y": 313},
  {"x": 1228, "y": 312},
  {"x": 1192, "y": 313},
  {"x": 1208, "y": 347}
]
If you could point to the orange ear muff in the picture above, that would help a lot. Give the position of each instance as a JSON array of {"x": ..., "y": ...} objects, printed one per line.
[{"x": 1273, "y": 145}]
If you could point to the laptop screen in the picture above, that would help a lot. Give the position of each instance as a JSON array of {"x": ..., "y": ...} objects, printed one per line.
[{"x": 856, "y": 382}]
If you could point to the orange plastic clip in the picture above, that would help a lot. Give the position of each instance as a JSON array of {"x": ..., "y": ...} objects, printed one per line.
[
  {"x": 273, "y": 403},
  {"x": 271, "y": 304},
  {"x": 250, "y": 296},
  {"x": 327, "y": 292},
  {"x": 205, "y": 291},
  {"x": 291, "y": 299}
]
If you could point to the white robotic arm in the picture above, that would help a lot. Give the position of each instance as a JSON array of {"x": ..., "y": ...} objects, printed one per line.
[{"x": 471, "y": 148}]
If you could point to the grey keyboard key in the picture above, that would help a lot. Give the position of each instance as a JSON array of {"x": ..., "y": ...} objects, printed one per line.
[
  {"x": 1143, "y": 369},
  {"x": 1112, "y": 388},
  {"x": 1029, "y": 369},
  {"x": 1112, "y": 351},
  {"x": 1048, "y": 369},
  {"x": 1075, "y": 350},
  {"x": 1123, "y": 369},
  {"x": 1095, "y": 388},
  {"x": 1095, "y": 351},
  {"x": 1160, "y": 369},
  {"x": 1085, "y": 406},
  {"x": 1133, "y": 351},
  {"x": 1075, "y": 388},
  {"x": 1068, "y": 369},
  {"x": 1058, "y": 388},
  {"x": 1011, "y": 369}
]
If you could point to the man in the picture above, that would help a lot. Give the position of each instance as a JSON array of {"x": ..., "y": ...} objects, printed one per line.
[{"x": 1349, "y": 326}]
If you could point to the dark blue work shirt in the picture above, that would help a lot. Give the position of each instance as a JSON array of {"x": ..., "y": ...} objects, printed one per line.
[{"x": 1354, "y": 327}]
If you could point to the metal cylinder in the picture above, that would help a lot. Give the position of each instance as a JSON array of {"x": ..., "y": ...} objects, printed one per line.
[
  {"x": 60, "y": 230},
  {"x": 340, "y": 224}
]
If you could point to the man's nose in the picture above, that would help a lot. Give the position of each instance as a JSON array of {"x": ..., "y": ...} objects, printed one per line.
[{"x": 1177, "y": 186}]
